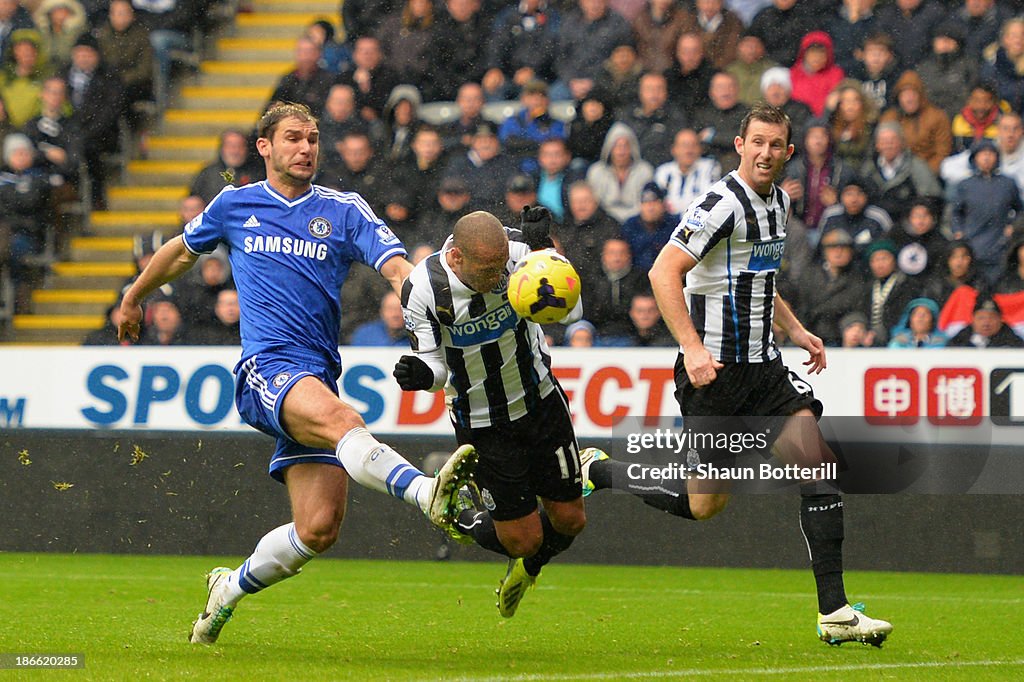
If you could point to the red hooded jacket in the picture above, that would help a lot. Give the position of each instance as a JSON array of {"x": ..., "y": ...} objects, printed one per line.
[{"x": 813, "y": 88}]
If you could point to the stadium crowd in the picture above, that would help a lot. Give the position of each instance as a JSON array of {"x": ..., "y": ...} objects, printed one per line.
[{"x": 908, "y": 221}]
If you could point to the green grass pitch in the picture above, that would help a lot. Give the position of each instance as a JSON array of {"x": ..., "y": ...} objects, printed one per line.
[{"x": 366, "y": 620}]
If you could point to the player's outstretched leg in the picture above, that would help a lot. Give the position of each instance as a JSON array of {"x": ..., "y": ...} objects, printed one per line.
[
  {"x": 513, "y": 587},
  {"x": 379, "y": 467},
  {"x": 599, "y": 471},
  {"x": 279, "y": 554}
]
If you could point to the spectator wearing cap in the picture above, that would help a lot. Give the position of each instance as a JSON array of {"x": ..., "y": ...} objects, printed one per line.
[
  {"x": 749, "y": 67},
  {"x": 587, "y": 37},
  {"x": 589, "y": 128},
  {"x": 689, "y": 77},
  {"x": 126, "y": 50},
  {"x": 333, "y": 55},
  {"x": 520, "y": 192},
  {"x": 852, "y": 22},
  {"x": 457, "y": 53},
  {"x": 688, "y": 174},
  {"x": 999, "y": 64},
  {"x": 782, "y": 26},
  {"x": 888, "y": 289},
  {"x": 25, "y": 202},
  {"x": 815, "y": 74},
  {"x": 813, "y": 179},
  {"x": 12, "y": 17},
  {"x": 579, "y": 334},
  {"x": 21, "y": 76},
  {"x": 918, "y": 326},
  {"x": 96, "y": 96},
  {"x": 855, "y": 214},
  {"x": 657, "y": 27},
  {"x": 719, "y": 119},
  {"x": 913, "y": 21},
  {"x": 485, "y": 167},
  {"x": 777, "y": 90},
  {"x": 720, "y": 29},
  {"x": 521, "y": 47},
  {"x": 985, "y": 206},
  {"x": 979, "y": 116},
  {"x": 651, "y": 118},
  {"x": 853, "y": 330},
  {"x": 979, "y": 22},
  {"x": 554, "y": 176},
  {"x": 522, "y": 133},
  {"x": 621, "y": 173},
  {"x": 233, "y": 167},
  {"x": 920, "y": 245},
  {"x": 451, "y": 203},
  {"x": 896, "y": 173},
  {"x": 947, "y": 72},
  {"x": 60, "y": 22},
  {"x": 987, "y": 329},
  {"x": 831, "y": 288},
  {"x": 649, "y": 230},
  {"x": 926, "y": 128}
]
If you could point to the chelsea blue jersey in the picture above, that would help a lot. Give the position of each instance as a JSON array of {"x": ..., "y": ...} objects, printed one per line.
[{"x": 289, "y": 259}]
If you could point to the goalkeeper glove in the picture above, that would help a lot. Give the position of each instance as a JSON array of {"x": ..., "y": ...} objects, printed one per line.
[
  {"x": 413, "y": 374},
  {"x": 535, "y": 224}
]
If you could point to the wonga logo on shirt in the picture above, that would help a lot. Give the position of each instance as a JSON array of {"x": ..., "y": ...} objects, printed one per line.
[{"x": 767, "y": 255}]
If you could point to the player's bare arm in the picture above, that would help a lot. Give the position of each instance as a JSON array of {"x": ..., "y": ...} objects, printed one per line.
[
  {"x": 396, "y": 270},
  {"x": 667, "y": 276},
  {"x": 171, "y": 261},
  {"x": 786, "y": 319}
]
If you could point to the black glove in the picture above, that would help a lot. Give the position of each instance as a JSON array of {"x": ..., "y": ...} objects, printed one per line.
[
  {"x": 413, "y": 374},
  {"x": 535, "y": 224}
]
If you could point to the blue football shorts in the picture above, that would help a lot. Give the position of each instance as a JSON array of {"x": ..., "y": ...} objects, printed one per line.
[{"x": 261, "y": 383}]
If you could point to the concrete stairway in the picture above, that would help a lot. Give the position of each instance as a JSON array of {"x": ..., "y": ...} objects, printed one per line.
[{"x": 228, "y": 92}]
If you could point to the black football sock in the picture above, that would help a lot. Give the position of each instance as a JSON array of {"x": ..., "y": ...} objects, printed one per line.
[
  {"x": 665, "y": 494},
  {"x": 821, "y": 520},
  {"x": 554, "y": 543},
  {"x": 480, "y": 526}
]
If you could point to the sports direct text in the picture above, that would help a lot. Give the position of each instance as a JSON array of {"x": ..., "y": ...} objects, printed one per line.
[{"x": 680, "y": 441}]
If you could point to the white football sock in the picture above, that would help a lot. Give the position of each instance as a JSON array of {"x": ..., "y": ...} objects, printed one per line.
[
  {"x": 278, "y": 555},
  {"x": 378, "y": 467}
]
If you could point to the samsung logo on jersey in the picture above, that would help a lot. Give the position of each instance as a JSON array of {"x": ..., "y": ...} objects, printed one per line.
[
  {"x": 767, "y": 255},
  {"x": 486, "y": 328},
  {"x": 286, "y": 245}
]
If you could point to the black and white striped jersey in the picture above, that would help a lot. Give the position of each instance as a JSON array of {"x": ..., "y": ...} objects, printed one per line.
[
  {"x": 499, "y": 367},
  {"x": 737, "y": 238}
]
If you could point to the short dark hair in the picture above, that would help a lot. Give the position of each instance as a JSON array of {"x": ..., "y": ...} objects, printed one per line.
[
  {"x": 277, "y": 112},
  {"x": 766, "y": 113}
]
